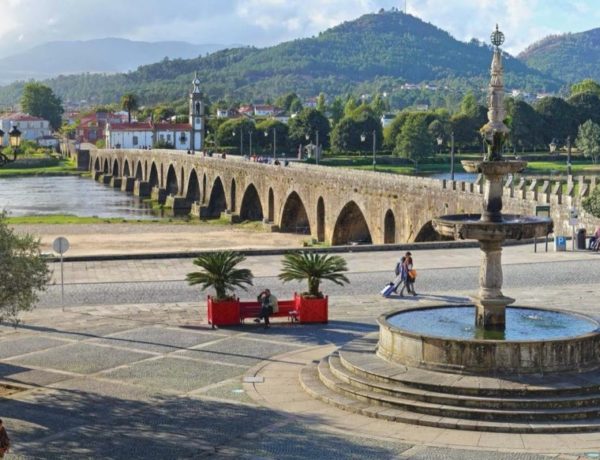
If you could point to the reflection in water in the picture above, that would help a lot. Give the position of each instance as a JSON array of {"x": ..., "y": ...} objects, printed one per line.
[
  {"x": 521, "y": 324},
  {"x": 31, "y": 196}
]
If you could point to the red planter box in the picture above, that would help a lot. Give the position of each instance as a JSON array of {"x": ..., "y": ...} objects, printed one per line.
[
  {"x": 223, "y": 312},
  {"x": 312, "y": 310}
]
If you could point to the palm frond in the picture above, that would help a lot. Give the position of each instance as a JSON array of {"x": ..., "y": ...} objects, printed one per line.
[
  {"x": 218, "y": 271},
  {"x": 314, "y": 268}
]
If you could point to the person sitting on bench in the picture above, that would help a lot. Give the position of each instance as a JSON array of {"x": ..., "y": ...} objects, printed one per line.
[{"x": 268, "y": 303}]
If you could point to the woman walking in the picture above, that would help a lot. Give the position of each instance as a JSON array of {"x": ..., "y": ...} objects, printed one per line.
[{"x": 408, "y": 273}]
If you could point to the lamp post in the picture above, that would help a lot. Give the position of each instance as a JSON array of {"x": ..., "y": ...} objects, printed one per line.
[
  {"x": 452, "y": 155},
  {"x": 250, "y": 144},
  {"x": 363, "y": 138},
  {"x": 14, "y": 136},
  {"x": 569, "y": 156},
  {"x": 440, "y": 141},
  {"x": 274, "y": 143},
  {"x": 316, "y": 149},
  {"x": 241, "y": 140},
  {"x": 552, "y": 146}
]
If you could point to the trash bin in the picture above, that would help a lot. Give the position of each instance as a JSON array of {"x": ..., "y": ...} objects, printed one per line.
[
  {"x": 581, "y": 238},
  {"x": 560, "y": 243}
]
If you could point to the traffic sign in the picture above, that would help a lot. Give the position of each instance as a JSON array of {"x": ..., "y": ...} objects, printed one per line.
[{"x": 61, "y": 245}]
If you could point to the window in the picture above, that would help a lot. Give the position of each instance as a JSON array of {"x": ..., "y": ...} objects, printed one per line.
[
  {"x": 135, "y": 140},
  {"x": 183, "y": 138},
  {"x": 168, "y": 138}
]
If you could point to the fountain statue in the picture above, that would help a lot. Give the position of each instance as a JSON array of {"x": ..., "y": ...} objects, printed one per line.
[
  {"x": 512, "y": 369},
  {"x": 492, "y": 227}
]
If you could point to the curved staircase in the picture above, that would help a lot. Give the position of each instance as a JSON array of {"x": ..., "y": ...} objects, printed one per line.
[{"x": 355, "y": 379}]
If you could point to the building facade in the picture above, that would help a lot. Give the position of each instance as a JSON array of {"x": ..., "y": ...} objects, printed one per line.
[
  {"x": 180, "y": 136},
  {"x": 32, "y": 128}
]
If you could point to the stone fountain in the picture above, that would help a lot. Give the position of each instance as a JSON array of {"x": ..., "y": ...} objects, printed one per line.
[{"x": 487, "y": 366}]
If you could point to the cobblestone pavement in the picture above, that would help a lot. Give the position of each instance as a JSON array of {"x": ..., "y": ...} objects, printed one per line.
[{"x": 113, "y": 377}]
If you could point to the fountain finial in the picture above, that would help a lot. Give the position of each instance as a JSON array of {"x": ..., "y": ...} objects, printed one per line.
[{"x": 495, "y": 131}]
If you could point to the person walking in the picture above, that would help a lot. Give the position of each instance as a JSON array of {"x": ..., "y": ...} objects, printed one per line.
[
  {"x": 408, "y": 272},
  {"x": 4, "y": 440},
  {"x": 268, "y": 306}
]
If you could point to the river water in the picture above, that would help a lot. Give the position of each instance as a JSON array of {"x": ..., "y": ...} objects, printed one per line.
[{"x": 84, "y": 197}]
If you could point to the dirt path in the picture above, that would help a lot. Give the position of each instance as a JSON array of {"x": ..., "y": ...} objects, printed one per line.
[{"x": 96, "y": 239}]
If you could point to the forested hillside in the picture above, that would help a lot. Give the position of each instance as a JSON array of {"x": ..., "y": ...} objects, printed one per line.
[
  {"x": 569, "y": 57},
  {"x": 377, "y": 52}
]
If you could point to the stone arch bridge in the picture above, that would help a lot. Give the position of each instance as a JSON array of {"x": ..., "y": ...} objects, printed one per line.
[{"x": 336, "y": 206}]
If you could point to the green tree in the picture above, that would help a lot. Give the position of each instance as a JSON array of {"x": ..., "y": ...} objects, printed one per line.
[
  {"x": 24, "y": 272},
  {"x": 526, "y": 125},
  {"x": 379, "y": 106},
  {"x": 314, "y": 268},
  {"x": 285, "y": 102},
  {"x": 336, "y": 110},
  {"x": 307, "y": 123},
  {"x": 585, "y": 86},
  {"x": 588, "y": 140},
  {"x": 349, "y": 133},
  {"x": 129, "y": 102},
  {"x": 322, "y": 103},
  {"x": 219, "y": 271},
  {"x": 559, "y": 119},
  {"x": 39, "y": 100},
  {"x": 592, "y": 203},
  {"x": 586, "y": 106},
  {"x": 228, "y": 134},
  {"x": 414, "y": 141},
  {"x": 469, "y": 105},
  {"x": 350, "y": 107},
  {"x": 264, "y": 135}
]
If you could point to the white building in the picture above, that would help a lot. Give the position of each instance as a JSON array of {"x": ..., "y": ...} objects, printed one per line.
[
  {"x": 182, "y": 136},
  {"x": 32, "y": 128},
  {"x": 386, "y": 119}
]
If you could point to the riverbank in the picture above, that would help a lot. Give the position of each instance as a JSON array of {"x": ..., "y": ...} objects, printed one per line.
[{"x": 155, "y": 237}]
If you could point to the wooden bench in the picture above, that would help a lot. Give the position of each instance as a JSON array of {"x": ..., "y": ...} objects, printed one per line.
[{"x": 287, "y": 308}]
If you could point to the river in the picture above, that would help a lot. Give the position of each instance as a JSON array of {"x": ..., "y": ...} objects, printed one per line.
[{"x": 46, "y": 195}]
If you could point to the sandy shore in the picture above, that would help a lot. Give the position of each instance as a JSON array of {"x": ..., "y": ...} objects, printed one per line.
[{"x": 96, "y": 239}]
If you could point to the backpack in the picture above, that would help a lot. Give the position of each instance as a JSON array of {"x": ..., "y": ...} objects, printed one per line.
[{"x": 398, "y": 268}]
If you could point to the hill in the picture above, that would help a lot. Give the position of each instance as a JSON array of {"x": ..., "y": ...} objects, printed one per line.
[
  {"x": 106, "y": 55},
  {"x": 376, "y": 52},
  {"x": 569, "y": 57}
]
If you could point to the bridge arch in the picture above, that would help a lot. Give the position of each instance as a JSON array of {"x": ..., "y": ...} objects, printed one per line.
[
  {"x": 232, "y": 201},
  {"x": 294, "y": 218},
  {"x": 320, "y": 219},
  {"x": 428, "y": 233},
  {"x": 97, "y": 164},
  {"x": 153, "y": 178},
  {"x": 389, "y": 228},
  {"x": 271, "y": 210},
  {"x": 217, "y": 202},
  {"x": 126, "y": 169},
  {"x": 171, "y": 185},
  {"x": 193, "y": 188},
  {"x": 351, "y": 226},
  {"x": 203, "y": 188},
  {"x": 146, "y": 169},
  {"x": 181, "y": 181},
  {"x": 115, "y": 168},
  {"x": 139, "y": 174},
  {"x": 105, "y": 167},
  {"x": 251, "y": 207}
]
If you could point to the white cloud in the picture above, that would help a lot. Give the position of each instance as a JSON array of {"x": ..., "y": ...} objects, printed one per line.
[{"x": 267, "y": 22}]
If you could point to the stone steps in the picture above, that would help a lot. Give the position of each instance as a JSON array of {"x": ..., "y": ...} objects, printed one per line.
[
  {"x": 451, "y": 410},
  {"x": 400, "y": 390},
  {"x": 312, "y": 384}
]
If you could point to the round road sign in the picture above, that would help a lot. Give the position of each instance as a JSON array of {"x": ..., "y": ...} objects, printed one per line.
[{"x": 60, "y": 245}]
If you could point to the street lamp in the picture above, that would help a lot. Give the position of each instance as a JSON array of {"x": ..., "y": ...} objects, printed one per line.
[
  {"x": 363, "y": 138},
  {"x": 440, "y": 141},
  {"x": 274, "y": 143},
  {"x": 316, "y": 149},
  {"x": 233, "y": 133},
  {"x": 569, "y": 156},
  {"x": 452, "y": 155},
  {"x": 14, "y": 136},
  {"x": 552, "y": 146}
]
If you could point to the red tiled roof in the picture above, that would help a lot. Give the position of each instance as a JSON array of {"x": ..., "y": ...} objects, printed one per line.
[
  {"x": 133, "y": 126},
  {"x": 20, "y": 117},
  {"x": 173, "y": 126}
]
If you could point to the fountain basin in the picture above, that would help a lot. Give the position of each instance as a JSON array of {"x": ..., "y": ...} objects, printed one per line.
[
  {"x": 512, "y": 227},
  {"x": 549, "y": 341},
  {"x": 494, "y": 168}
]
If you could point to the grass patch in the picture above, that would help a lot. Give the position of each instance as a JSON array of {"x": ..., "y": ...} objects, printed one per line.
[
  {"x": 43, "y": 167},
  {"x": 63, "y": 219}
]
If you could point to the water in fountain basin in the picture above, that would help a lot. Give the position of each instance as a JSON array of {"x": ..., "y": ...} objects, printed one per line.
[{"x": 457, "y": 322}]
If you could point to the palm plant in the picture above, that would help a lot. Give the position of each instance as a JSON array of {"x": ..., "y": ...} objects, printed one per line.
[
  {"x": 314, "y": 268},
  {"x": 129, "y": 102},
  {"x": 220, "y": 273}
]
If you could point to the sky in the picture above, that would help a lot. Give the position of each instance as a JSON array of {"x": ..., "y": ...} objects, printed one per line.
[{"x": 26, "y": 23}]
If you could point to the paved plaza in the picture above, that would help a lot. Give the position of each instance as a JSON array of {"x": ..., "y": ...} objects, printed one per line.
[{"x": 109, "y": 377}]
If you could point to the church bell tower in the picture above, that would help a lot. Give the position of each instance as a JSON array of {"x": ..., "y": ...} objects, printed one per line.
[{"x": 196, "y": 116}]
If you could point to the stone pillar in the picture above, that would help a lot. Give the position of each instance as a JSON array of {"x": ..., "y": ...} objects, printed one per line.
[
  {"x": 141, "y": 188},
  {"x": 492, "y": 199},
  {"x": 128, "y": 184},
  {"x": 533, "y": 190},
  {"x": 557, "y": 192},
  {"x": 159, "y": 194},
  {"x": 115, "y": 182},
  {"x": 490, "y": 303},
  {"x": 97, "y": 175},
  {"x": 545, "y": 191},
  {"x": 106, "y": 178},
  {"x": 179, "y": 204}
]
